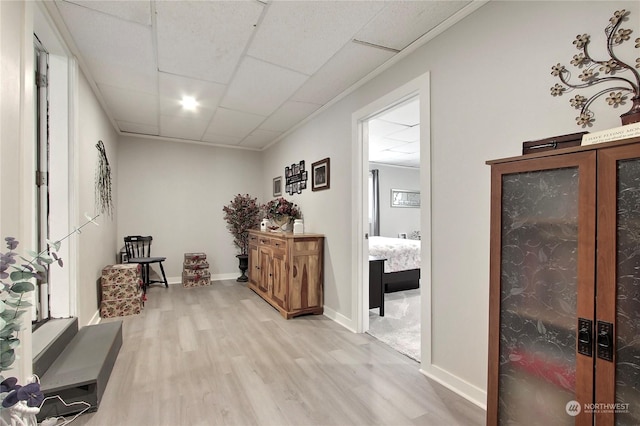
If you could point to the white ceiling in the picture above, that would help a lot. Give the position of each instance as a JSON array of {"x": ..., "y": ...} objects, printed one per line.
[
  {"x": 394, "y": 135},
  {"x": 256, "y": 68}
]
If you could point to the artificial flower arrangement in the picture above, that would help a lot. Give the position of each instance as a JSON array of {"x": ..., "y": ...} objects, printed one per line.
[
  {"x": 28, "y": 395},
  {"x": 242, "y": 214},
  {"x": 14, "y": 286},
  {"x": 280, "y": 208}
]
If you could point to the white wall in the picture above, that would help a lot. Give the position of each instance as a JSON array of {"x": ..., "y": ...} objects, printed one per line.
[
  {"x": 490, "y": 80},
  {"x": 175, "y": 192},
  {"x": 394, "y": 220},
  {"x": 96, "y": 245}
]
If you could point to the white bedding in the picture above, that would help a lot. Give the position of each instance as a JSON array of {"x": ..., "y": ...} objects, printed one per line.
[{"x": 401, "y": 254}]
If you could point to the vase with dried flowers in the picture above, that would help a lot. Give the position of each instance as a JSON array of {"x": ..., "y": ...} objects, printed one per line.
[
  {"x": 282, "y": 213},
  {"x": 620, "y": 89}
]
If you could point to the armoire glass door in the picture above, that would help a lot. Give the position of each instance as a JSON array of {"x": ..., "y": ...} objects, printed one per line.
[
  {"x": 618, "y": 377},
  {"x": 544, "y": 289}
]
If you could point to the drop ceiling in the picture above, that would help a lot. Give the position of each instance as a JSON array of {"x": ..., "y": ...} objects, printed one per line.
[
  {"x": 256, "y": 68},
  {"x": 394, "y": 135}
]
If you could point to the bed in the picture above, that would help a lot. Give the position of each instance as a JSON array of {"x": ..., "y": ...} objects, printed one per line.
[{"x": 394, "y": 265}]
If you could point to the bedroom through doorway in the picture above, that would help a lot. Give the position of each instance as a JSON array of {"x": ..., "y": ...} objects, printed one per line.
[{"x": 393, "y": 246}]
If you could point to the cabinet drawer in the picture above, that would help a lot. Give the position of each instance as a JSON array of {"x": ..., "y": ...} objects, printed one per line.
[{"x": 278, "y": 244}]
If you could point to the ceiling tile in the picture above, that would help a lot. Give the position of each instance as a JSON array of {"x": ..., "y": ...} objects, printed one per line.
[
  {"x": 182, "y": 127},
  {"x": 380, "y": 128},
  {"x": 288, "y": 115},
  {"x": 260, "y": 88},
  {"x": 383, "y": 144},
  {"x": 130, "y": 106},
  {"x": 303, "y": 35},
  {"x": 260, "y": 138},
  {"x": 234, "y": 123},
  {"x": 407, "y": 113},
  {"x": 118, "y": 75},
  {"x": 204, "y": 39},
  {"x": 407, "y": 148},
  {"x": 220, "y": 139},
  {"x": 410, "y": 134},
  {"x": 135, "y": 11},
  {"x": 121, "y": 47},
  {"x": 173, "y": 88},
  {"x": 347, "y": 67},
  {"x": 414, "y": 17},
  {"x": 142, "y": 129}
]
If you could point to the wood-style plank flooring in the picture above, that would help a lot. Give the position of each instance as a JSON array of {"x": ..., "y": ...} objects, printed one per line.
[{"x": 220, "y": 355}]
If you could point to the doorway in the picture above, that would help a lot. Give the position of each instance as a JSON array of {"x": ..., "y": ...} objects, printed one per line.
[
  {"x": 415, "y": 89},
  {"x": 394, "y": 226}
]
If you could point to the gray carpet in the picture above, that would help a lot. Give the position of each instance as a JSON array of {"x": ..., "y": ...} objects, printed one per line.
[{"x": 400, "y": 326}]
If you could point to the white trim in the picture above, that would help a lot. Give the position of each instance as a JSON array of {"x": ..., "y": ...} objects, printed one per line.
[
  {"x": 454, "y": 383},
  {"x": 27, "y": 200},
  {"x": 229, "y": 276},
  {"x": 95, "y": 319},
  {"x": 360, "y": 166},
  {"x": 347, "y": 323},
  {"x": 74, "y": 188}
]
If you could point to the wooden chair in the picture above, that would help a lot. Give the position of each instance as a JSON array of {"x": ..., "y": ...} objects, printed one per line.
[{"x": 138, "y": 250}]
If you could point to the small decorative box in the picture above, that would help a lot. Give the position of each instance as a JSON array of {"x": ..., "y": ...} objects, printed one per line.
[
  {"x": 194, "y": 259},
  {"x": 197, "y": 266},
  {"x": 196, "y": 279},
  {"x": 122, "y": 273},
  {"x": 121, "y": 307},
  {"x": 121, "y": 291}
]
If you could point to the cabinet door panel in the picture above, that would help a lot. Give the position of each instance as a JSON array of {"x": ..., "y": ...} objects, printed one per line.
[
  {"x": 541, "y": 210},
  {"x": 618, "y": 381},
  {"x": 279, "y": 286},
  {"x": 254, "y": 266},
  {"x": 264, "y": 254}
]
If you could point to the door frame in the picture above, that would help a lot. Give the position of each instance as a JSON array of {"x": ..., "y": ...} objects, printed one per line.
[{"x": 360, "y": 167}]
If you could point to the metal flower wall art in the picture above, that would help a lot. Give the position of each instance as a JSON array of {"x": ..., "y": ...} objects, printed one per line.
[{"x": 607, "y": 72}]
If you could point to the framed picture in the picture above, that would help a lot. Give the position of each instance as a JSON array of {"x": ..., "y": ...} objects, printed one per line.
[
  {"x": 405, "y": 198},
  {"x": 277, "y": 186},
  {"x": 320, "y": 175}
]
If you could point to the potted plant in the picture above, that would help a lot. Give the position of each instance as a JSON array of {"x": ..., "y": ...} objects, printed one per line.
[
  {"x": 242, "y": 214},
  {"x": 281, "y": 212}
]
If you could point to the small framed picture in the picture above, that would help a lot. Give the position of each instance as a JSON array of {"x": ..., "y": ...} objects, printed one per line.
[
  {"x": 277, "y": 186},
  {"x": 320, "y": 175}
]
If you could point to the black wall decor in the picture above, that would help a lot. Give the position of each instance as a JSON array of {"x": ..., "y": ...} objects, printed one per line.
[{"x": 295, "y": 178}]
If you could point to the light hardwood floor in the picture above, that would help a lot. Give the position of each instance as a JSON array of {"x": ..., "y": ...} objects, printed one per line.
[{"x": 220, "y": 355}]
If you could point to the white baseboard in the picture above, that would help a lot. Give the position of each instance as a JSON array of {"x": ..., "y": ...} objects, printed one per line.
[
  {"x": 216, "y": 277},
  {"x": 95, "y": 319},
  {"x": 340, "y": 319},
  {"x": 220, "y": 277},
  {"x": 463, "y": 388}
]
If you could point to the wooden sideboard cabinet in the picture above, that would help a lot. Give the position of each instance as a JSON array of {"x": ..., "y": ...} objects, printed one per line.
[
  {"x": 564, "y": 302},
  {"x": 286, "y": 271}
]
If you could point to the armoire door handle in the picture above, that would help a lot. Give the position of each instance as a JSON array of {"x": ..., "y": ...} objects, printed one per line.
[
  {"x": 585, "y": 336},
  {"x": 605, "y": 340}
]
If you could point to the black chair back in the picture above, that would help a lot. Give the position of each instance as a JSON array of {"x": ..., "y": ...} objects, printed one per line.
[{"x": 137, "y": 246}]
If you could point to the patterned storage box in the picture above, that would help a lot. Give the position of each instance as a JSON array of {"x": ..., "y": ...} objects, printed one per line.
[
  {"x": 194, "y": 259},
  {"x": 196, "y": 279},
  {"x": 123, "y": 273},
  {"x": 197, "y": 266},
  {"x": 121, "y": 307},
  {"x": 121, "y": 281}
]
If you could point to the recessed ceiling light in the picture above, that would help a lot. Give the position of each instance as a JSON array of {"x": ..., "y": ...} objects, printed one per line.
[{"x": 189, "y": 102}]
